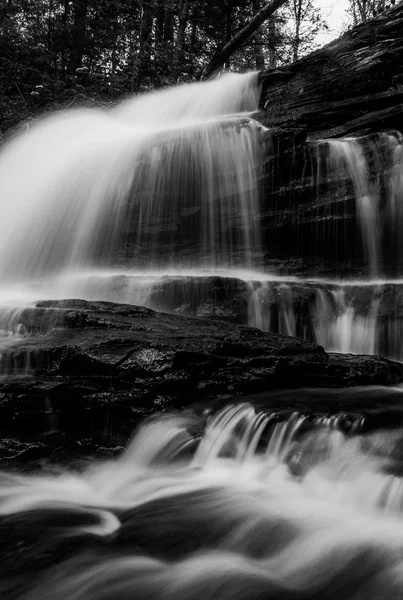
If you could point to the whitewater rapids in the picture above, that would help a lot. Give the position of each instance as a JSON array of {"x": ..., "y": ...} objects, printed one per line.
[{"x": 247, "y": 508}]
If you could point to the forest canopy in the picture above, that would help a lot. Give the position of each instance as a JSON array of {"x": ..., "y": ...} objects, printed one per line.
[{"x": 59, "y": 53}]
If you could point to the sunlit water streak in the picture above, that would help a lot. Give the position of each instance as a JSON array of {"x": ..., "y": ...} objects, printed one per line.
[{"x": 256, "y": 509}]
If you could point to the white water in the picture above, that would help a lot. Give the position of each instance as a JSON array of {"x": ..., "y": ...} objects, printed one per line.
[
  {"x": 90, "y": 188},
  {"x": 346, "y": 158},
  {"x": 373, "y": 165},
  {"x": 108, "y": 205},
  {"x": 257, "y": 509},
  {"x": 162, "y": 193},
  {"x": 342, "y": 316}
]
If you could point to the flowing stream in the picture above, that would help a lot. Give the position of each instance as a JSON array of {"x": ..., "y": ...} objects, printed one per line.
[
  {"x": 251, "y": 507},
  {"x": 158, "y": 202}
]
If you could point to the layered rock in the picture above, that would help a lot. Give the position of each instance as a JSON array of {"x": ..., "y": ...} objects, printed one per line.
[
  {"x": 360, "y": 317},
  {"x": 89, "y": 371},
  {"x": 351, "y": 87}
]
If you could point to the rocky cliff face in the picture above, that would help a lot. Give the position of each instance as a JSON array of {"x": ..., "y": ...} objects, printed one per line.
[{"x": 351, "y": 87}]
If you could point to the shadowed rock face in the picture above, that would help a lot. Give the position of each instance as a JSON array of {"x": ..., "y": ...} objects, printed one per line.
[
  {"x": 340, "y": 316},
  {"x": 92, "y": 370},
  {"x": 313, "y": 214},
  {"x": 351, "y": 87}
]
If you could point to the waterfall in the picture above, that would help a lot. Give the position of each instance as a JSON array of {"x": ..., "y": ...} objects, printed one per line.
[
  {"x": 371, "y": 169},
  {"x": 346, "y": 159},
  {"x": 256, "y": 506},
  {"x": 162, "y": 180},
  {"x": 356, "y": 317},
  {"x": 160, "y": 201}
]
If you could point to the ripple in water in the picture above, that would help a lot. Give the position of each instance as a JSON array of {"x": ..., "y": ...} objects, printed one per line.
[{"x": 252, "y": 508}]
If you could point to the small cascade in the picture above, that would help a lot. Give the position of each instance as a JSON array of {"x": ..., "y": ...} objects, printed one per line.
[
  {"x": 370, "y": 169},
  {"x": 310, "y": 446},
  {"x": 261, "y": 508},
  {"x": 353, "y": 317},
  {"x": 12, "y": 324},
  {"x": 15, "y": 330},
  {"x": 347, "y": 161},
  {"x": 17, "y": 326},
  {"x": 341, "y": 327},
  {"x": 342, "y": 317},
  {"x": 271, "y": 307}
]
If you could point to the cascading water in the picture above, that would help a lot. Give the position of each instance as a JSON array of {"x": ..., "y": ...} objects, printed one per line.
[
  {"x": 164, "y": 190},
  {"x": 168, "y": 180},
  {"x": 165, "y": 181},
  {"x": 158, "y": 202},
  {"x": 372, "y": 168},
  {"x": 256, "y": 508},
  {"x": 359, "y": 316}
]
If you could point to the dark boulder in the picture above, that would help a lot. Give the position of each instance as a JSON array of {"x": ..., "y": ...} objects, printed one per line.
[{"x": 106, "y": 366}]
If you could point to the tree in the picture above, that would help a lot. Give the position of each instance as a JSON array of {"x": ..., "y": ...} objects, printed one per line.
[
  {"x": 57, "y": 53},
  {"x": 362, "y": 10},
  {"x": 305, "y": 23},
  {"x": 220, "y": 57},
  {"x": 258, "y": 40},
  {"x": 77, "y": 44}
]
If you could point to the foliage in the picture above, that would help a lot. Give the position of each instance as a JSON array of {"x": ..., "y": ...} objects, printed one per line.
[
  {"x": 58, "y": 53},
  {"x": 304, "y": 21},
  {"x": 362, "y": 10}
]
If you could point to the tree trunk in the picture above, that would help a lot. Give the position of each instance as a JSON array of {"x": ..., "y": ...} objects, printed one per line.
[
  {"x": 65, "y": 36},
  {"x": 258, "y": 47},
  {"x": 220, "y": 58},
  {"x": 159, "y": 24},
  {"x": 168, "y": 25},
  {"x": 193, "y": 36},
  {"x": 145, "y": 42},
  {"x": 78, "y": 36},
  {"x": 168, "y": 34},
  {"x": 5, "y": 11},
  {"x": 180, "y": 38},
  {"x": 297, "y": 10},
  {"x": 114, "y": 62},
  {"x": 272, "y": 45},
  {"x": 228, "y": 32}
]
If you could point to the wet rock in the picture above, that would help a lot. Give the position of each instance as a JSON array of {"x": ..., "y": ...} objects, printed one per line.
[
  {"x": 350, "y": 87},
  {"x": 107, "y": 366},
  {"x": 362, "y": 370},
  {"x": 205, "y": 297},
  {"x": 352, "y": 410}
]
